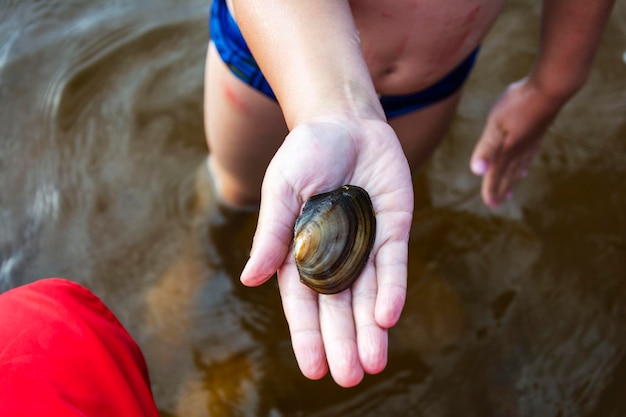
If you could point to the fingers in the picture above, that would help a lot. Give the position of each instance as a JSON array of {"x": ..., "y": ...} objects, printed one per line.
[
  {"x": 487, "y": 148},
  {"x": 334, "y": 332},
  {"x": 371, "y": 337},
  {"x": 499, "y": 182},
  {"x": 302, "y": 313},
  {"x": 272, "y": 238},
  {"x": 391, "y": 265},
  {"x": 502, "y": 160},
  {"x": 497, "y": 185},
  {"x": 339, "y": 334},
  {"x": 322, "y": 330}
]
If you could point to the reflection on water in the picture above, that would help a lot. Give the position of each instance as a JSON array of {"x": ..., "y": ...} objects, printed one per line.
[{"x": 514, "y": 312}]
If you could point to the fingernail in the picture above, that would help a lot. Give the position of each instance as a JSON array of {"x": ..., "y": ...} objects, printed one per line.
[{"x": 478, "y": 166}]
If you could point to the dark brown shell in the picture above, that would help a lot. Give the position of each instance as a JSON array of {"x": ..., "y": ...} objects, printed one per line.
[{"x": 333, "y": 238}]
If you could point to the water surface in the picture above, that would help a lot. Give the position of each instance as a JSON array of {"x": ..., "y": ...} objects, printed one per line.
[{"x": 514, "y": 312}]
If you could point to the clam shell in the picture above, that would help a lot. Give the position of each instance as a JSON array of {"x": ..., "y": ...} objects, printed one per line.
[{"x": 333, "y": 238}]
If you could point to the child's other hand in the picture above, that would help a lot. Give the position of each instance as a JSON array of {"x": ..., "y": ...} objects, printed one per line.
[
  {"x": 345, "y": 332},
  {"x": 511, "y": 137}
]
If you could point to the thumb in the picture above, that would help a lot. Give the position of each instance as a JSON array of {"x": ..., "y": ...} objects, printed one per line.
[
  {"x": 487, "y": 148},
  {"x": 272, "y": 239}
]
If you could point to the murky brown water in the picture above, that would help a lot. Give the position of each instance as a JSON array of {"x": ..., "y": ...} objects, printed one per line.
[{"x": 514, "y": 312}]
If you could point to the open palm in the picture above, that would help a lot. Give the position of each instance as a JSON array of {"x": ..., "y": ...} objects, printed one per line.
[{"x": 346, "y": 332}]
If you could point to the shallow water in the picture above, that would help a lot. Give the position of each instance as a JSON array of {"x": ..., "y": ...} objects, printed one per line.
[{"x": 513, "y": 312}]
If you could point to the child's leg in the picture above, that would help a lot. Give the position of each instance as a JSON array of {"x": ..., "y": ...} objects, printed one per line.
[
  {"x": 421, "y": 131},
  {"x": 244, "y": 129}
]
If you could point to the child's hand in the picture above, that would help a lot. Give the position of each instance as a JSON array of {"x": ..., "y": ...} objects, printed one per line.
[
  {"x": 512, "y": 135},
  {"x": 346, "y": 332}
]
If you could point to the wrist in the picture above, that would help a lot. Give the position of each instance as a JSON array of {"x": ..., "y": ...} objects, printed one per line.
[
  {"x": 353, "y": 99},
  {"x": 558, "y": 88},
  {"x": 338, "y": 110}
]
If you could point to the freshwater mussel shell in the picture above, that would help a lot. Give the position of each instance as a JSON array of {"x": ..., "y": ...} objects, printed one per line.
[{"x": 333, "y": 238}]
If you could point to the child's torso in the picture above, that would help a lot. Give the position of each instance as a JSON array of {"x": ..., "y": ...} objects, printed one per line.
[{"x": 410, "y": 44}]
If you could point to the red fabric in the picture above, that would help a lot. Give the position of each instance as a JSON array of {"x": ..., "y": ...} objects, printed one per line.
[{"x": 63, "y": 353}]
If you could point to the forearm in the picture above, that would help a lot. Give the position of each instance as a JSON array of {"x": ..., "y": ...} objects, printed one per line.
[
  {"x": 309, "y": 51},
  {"x": 570, "y": 33}
]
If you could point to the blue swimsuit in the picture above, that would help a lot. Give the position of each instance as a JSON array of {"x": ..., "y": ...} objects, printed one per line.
[{"x": 235, "y": 53}]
